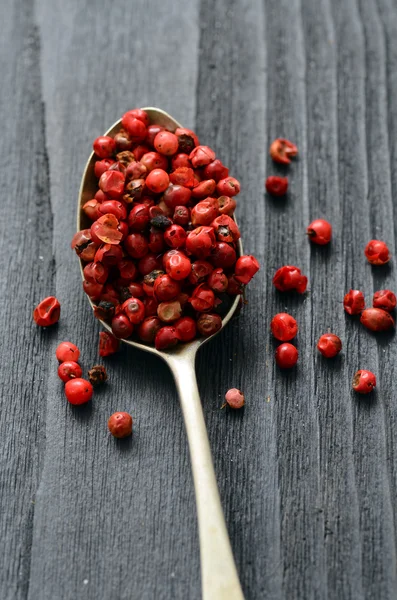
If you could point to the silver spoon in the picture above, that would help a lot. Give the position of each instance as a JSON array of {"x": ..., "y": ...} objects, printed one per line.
[{"x": 219, "y": 578}]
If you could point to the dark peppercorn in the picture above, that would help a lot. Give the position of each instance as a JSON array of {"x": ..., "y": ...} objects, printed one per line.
[
  {"x": 97, "y": 375},
  {"x": 161, "y": 222},
  {"x": 151, "y": 277},
  {"x": 104, "y": 310}
]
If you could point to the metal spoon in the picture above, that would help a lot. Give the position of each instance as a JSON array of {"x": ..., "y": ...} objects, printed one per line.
[{"x": 219, "y": 578}]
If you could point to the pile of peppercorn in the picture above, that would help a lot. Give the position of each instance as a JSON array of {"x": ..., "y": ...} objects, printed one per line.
[{"x": 160, "y": 260}]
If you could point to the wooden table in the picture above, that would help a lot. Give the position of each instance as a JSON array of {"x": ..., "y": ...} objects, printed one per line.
[{"x": 307, "y": 471}]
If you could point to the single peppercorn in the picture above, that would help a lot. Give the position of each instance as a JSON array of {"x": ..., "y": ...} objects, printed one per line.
[
  {"x": 276, "y": 186},
  {"x": 376, "y": 319},
  {"x": 235, "y": 398},
  {"x": 120, "y": 424},
  {"x": 166, "y": 143},
  {"x": 354, "y": 302},
  {"x": 329, "y": 345},
  {"x": 377, "y": 252},
  {"x": 161, "y": 222},
  {"x": 286, "y": 356},
  {"x": 385, "y": 299},
  {"x": 320, "y": 232},
  {"x": 186, "y": 328},
  {"x": 67, "y": 351},
  {"x": 78, "y": 391},
  {"x": 69, "y": 370},
  {"x": 284, "y": 327},
  {"x": 290, "y": 278},
  {"x": 364, "y": 381},
  {"x": 104, "y": 146},
  {"x": 282, "y": 150},
  {"x": 47, "y": 312},
  {"x": 157, "y": 181},
  {"x": 245, "y": 268},
  {"x": 208, "y": 324},
  {"x": 148, "y": 329},
  {"x": 97, "y": 375},
  {"x": 166, "y": 337}
]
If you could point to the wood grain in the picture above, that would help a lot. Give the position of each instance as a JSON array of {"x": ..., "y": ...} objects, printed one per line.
[{"x": 307, "y": 470}]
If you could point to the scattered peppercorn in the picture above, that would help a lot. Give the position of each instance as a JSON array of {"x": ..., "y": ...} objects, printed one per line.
[
  {"x": 97, "y": 375},
  {"x": 276, "y": 186},
  {"x": 376, "y": 319},
  {"x": 354, "y": 302},
  {"x": 377, "y": 252},
  {"x": 235, "y": 398},
  {"x": 78, "y": 391},
  {"x": 286, "y": 356},
  {"x": 282, "y": 150},
  {"x": 364, "y": 382},
  {"x": 290, "y": 278},
  {"x": 385, "y": 299},
  {"x": 329, "y": 345},
  {"x": 67, "y": 351},
  {"x": 284, "y": 327},
  {"x": 69, "y": 370},
  {"x": 47, "y": 312},
  {"x": 320, "y": 232},
  {"x": 120, "y": 424}
]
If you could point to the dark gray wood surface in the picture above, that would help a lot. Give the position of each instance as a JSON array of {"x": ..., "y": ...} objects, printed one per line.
[{"x": 307, "y": 472}]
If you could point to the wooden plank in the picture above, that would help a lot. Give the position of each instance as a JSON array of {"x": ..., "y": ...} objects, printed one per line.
[
  {"x": 112, "y": 520},
  {"x": 26, "y": 276}
]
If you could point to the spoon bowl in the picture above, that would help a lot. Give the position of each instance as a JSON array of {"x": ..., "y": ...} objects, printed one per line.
[{"x": 219, "y": 578}]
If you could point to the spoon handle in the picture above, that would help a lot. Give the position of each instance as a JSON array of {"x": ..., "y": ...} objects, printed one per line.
[{"x": 219, "y": 578}]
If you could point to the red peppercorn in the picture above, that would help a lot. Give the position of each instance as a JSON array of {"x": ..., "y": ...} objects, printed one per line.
[
  {"x": 229, "y": 186},
  {"x": 83, "y": 245},
  {"x": 96, "y": 272},
  {"x": 113, "y": 207},
  {"x": 123, "y": 141},
  {"x": 183, "y": 176},
  {"x": 282, "y": 150},
  {"x": 105, "y": 229},
  {"x": 134, "y": 309},
  {"x": 201, "y": 241},
  {"x": 157, "y": 181},
  {"x": 204, "y": 189},
  {"x": 154, "y": 160},
  {"x": 104, "y": 146},
  {"x": 136, "y": 245},
  {"x": 218, "y": 281},
  {"x": 69, "y": 370},
  {"x": 187, "y": 139},
  {"x": 223, "y": 255},
  {"x": 136, "y": 170},
  {"x": 47, "y": 312},
  {"x": 122, "y": 326},
  {"x": 284, "y": 327},
  {"x": 150, "y": 262},
  {"x": 276, "y": 186},
  {"x": 201, "y": 156},
  {"x": 108, "y": 344},
  {"x": 245, "y": 269},
  {"x": 101, "y": 166},
  {"x": 320, "y": 232},
  {"x": 376, "y": 319},
  {"x": 78, "y": 391},
  {"x": 176, "y": 195},
  {"x": 226, "y": 229},
  {"x": 377, "y": 252},
  {"x": 112, "y": 183},
  {"x": 180, "y": 160},
  {"x": 166, "y": 143},
  {"x": 166, "y": 337},
  {"x": 67, "y": 351},
  {"x": 234, "y": 287},
  {"x": 177, "y": 265},
  {"x": 169, "y": 311},
  {"x": 384, "y": 299},
  {"x": 364, "y": 381},
  {"x": 286, "y": 356},
  {"x": 109, "y": 255},
  {"x": 140, "y": 114},
  {"x": 226, "y": 205},
  {"x": 216, "y": 170},
  {"x": 120, "y": 424},
  {"x": 354, "y": 302},
  {"x": 135, "y": 127},
  {"x": 166, "y": 289},
  {"x": 181, "y": 215},
  {"x": 235, "y": 398},
  {"x": 289, "y": 278},
  {"x": 152, "y": 131},
  {"x": 151, "y": 305},
  {"x": 138, "y": 218},
  {"x": 202, "y": 298},
  {"x": 186, "y": 329},
  {"x": 175, "y": 236},
  {"x": 200, "y": 270},
  {"x": 90, "y": 208},
  {"x": 148, "y": 329},
  {"x": 208, "y": 324},
  {"x": 204, "y": 212},
  {"x": 329, "y": 345},
  {"x": 100, "y": 196}
]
